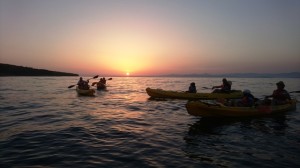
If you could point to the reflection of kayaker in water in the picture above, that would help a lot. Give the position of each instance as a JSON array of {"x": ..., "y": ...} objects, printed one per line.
[{"x": 225, "y": 87}]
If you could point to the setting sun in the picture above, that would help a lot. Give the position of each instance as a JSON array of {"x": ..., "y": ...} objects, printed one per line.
[{"x": 127, "y": 73}]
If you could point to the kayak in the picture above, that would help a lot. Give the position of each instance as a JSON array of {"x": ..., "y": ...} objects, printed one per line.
[
  {"x": 82, "y": 92},
  {"x": 198, "y": 108},
  {"x": 160, "y": 93}
]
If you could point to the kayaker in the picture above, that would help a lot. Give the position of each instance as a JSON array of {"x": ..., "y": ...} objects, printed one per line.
[
  {"x": 247, "y": 100},
  {"x": 280, "y": 95},
  {"x": 83, "y": 84},
  {"x": 225, "y": 87},
  {"x": 102, "y": 80},
  {"x": 192, "y": 88}
]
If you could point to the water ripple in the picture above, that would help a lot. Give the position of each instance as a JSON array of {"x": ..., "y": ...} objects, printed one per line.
[{"x": 45, "y": 124}]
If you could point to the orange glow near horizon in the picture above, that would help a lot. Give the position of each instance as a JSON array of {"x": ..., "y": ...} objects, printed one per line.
[{"x": 127, "y": 51}]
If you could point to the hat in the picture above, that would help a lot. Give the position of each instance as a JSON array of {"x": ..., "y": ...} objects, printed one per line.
[
  {"x": 280, "y": 83},
  {"x": 247, "y": 91}
]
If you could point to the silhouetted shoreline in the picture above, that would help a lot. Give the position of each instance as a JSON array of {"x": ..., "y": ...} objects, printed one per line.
[{"x": 14, "y": 70}]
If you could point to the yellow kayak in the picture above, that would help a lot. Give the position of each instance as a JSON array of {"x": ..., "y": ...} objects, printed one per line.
[
  {"x": 82, "y": 92},
  {"x": 159, "y": 93},
  {"x": 202, "y": 109}
]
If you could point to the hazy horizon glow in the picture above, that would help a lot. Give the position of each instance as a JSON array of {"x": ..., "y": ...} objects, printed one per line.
[{"x": 156, "y": 37}]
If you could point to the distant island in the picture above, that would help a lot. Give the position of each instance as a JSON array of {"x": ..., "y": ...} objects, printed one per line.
[{"x": 14, "y": 70}]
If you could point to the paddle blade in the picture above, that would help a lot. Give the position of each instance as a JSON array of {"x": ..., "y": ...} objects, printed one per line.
[
  {"x": 71, "y": 86},
  {"x": 295, "y": 91},
  {"x": 109, "y": 79},
  {"x": 95, "y": 76},
  {"x": 94, "y": 83}
]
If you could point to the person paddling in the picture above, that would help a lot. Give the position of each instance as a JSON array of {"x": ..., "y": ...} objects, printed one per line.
[
  {"x": 83, "y": 84},
  {"x": 225, "y": 87},
  {"x": 101, "y": 84},
  {"x": 192, "y": 88},
  {"x": 280, "y": 95},
  {"x": 104, "y": 80}
]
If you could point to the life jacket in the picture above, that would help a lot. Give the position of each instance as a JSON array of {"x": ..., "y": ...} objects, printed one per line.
[
  {"x": 281, "y": 95},
  {"x": 248, "y": 100},
  {"x": 192, "y": 89},
  {"x": 227, "y": 86}
]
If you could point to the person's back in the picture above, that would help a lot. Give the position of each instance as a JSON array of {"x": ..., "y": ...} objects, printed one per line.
[
  {"x": 80, "y": 83},
  {"x": 226, "y": 86},
  {"x": 104, "y": 81},
  {"x": 280, "y": 95},
  {"x": 247, "y": 100},
  {"x": 86, "y": 85},
  {"x": 192, "y": 88}
]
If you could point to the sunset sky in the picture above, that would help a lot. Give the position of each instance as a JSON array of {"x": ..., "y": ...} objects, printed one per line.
[{"x": 151, "y": 37}]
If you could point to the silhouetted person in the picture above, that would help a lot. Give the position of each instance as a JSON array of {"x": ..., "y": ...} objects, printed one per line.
[
  {"x": 280, "y": 95},
  {"x": 192, "y": 88},
  {"x": 225, "y": 87}
]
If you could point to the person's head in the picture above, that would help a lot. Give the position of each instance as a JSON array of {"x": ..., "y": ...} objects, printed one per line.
[
  {"x": 193, "y": 84},
  {"x": 246, "y": 92},
  {"x": 80, "y": 78},
  {"x": 224, "y": 80},
  {"x": 280, "y": 85}
]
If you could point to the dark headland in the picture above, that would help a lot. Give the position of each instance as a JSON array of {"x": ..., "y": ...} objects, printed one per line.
[{"x": 14, "y": 70}]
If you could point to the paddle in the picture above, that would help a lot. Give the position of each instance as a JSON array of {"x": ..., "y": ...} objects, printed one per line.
[
  {"x": 298, "y": 91},
  {"x": 88, "y": 79},
  {"x": 94, "y": 83}
]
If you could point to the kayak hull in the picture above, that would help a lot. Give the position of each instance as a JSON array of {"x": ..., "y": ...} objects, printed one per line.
[
  {"x": 82, "y": 92},
  {"x": 160, "y": 93},
  {"x": 197, "y": 108}
]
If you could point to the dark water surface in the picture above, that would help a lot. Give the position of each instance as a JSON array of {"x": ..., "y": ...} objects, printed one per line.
[{"x": 45, "y": 124}]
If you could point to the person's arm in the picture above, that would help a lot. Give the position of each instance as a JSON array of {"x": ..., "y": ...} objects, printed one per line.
[
  {"x": 272, "y": 95},
  {"x": 217, "y": 87}
]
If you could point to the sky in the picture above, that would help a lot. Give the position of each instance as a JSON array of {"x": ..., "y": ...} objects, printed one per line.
[{"x": 152, "y": 37}]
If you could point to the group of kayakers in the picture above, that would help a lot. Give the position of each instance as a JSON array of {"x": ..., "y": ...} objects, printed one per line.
[
  {"x": 84, "y": 85},
  {"x": 280, "y": 95}
]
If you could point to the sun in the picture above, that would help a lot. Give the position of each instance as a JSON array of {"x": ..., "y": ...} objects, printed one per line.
[{"x": 127, "y": 74}]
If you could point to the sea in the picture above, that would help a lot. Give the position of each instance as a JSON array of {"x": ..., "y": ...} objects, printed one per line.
[{"x": 43, "y": 123}]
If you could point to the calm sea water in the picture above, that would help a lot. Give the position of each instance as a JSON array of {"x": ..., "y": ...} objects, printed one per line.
[{"x": 45, "y": 124}]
